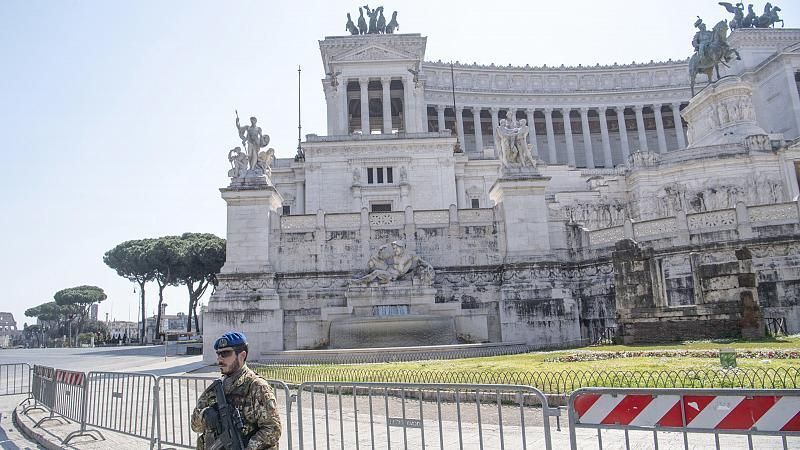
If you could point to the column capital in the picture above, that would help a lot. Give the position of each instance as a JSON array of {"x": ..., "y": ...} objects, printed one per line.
[
  {"x": 476, "y": 110},
  {"x": 619, "y": 108},
  {"x": 585, "y": 110},
  {"x": 363, "y": 80},
  {"x": 565, "y": 111},
  {"x": 530, "y": 110},
  {"x": 494, "y": 110},
  {"x": 657, "y": 106},
  {"x": 676, "y": 105},
  {"x": 386, "y": 80},
  {"x": 459, "y": 109},
  {"x": 601, "y": 109},
  {"x": 548, "y": 111},
  {"x": 638, "y": 108},
  {"x": 439, "y": 107}
]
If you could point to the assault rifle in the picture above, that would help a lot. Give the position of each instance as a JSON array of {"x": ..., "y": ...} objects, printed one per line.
[{"x": 226, "y": 422}]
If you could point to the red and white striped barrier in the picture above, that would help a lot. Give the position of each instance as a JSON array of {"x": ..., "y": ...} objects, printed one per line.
[
  {"x": 69, "y": 377},
  {"x": 699, "y": 410}
]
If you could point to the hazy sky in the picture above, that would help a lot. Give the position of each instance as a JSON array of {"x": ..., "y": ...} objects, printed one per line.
[{"x": 116, "y": 117}]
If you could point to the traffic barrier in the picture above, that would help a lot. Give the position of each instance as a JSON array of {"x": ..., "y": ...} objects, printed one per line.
[
  {"x": 716, "y": 412},
  {"x": 408, "y": 415},
  {"x": 177, "y": 397},
  {"x": 122, "y": 402},
  {"x": 15, "y": 379}
]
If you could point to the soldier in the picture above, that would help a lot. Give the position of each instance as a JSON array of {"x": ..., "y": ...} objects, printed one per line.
[{"x": 245, "y": 391}]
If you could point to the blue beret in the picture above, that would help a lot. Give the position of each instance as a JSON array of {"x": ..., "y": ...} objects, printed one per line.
[{"x": 230, "y": 339}]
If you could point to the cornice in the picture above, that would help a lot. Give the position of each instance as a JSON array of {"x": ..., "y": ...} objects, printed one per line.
[{"x": 579, "y": 69}]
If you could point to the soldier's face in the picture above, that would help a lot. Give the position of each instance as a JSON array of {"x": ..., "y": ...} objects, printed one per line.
[{"x": 229, "y": 362}]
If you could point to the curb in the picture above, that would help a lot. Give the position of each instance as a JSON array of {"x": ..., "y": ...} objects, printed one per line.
[{"x": 36, "y": 436}]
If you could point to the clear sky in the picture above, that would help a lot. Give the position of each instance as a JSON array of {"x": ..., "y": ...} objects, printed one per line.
[{"x": 116, "y": 117}]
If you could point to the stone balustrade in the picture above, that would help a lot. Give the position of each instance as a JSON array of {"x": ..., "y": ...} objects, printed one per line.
[{"x": 746, "y": 221}]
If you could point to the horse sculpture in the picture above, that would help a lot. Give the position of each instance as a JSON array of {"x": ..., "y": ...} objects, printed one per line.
[
  {"x": 770, "y": 17},
  {"x": 716, "y": 52}
]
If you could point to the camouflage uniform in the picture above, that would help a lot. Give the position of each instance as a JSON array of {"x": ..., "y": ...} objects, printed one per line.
[{"x": 253, "y": 397}]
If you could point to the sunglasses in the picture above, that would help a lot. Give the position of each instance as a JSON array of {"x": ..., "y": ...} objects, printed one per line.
[{"x": 224, "y": 353}]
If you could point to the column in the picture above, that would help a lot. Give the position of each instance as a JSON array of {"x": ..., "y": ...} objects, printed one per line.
[
  {"x": 568, "y": 136},
  {"x": 676, "y": 117},
  {"x": 623, "y": 133},
  {"x": 587, "y": 138},
  {"x": 344, "y": 114},
  {"x": 532, "y": 133},
  {"x": 387, "y": 105},
  {"x": 640, "y": 128},
  {"x": 551, "y": 137},
  {"x": 460, "y": 198},
  {"x": 607, "y": 159},
  {"x": 440, "y": 116},
  {"x": 460, "y": 126},
  {"x": 299, "y": 198},
  {"x": 476, "y": 115},
  {"x": 408, "y": 108},
  {"x": 495, "y": 121},
  {"x": 363, "y": 83},
  {"x": 662, "y": 140}
]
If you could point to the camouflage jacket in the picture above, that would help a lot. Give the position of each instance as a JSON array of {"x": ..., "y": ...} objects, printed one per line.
[{"x": 254, "y": 399}]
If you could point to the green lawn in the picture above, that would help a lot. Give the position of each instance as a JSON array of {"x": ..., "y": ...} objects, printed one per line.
[{"x": 535, "y": 369}]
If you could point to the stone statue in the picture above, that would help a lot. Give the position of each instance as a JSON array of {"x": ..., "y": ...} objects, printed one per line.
[
  {"x": 392, "y": 25},
  {"x": 362, "y": 23},
  {"x": 751, "y": 18},
  {"x": 512, "y": 143},
  {"x": 373, "y": 19},
  {"x": 350, "y": 26},
  {"x": 710, "y": 50},
  {"x": 738, "y": 14},
  {"x": 265, "y": 160},
  {"x": 381, "y": 21},
  {"x": 392, "y": 262},
  {"x": 238, "y": 160},
  {"x": 769, "y": 18},
  {"x": 252, "y": 138}
]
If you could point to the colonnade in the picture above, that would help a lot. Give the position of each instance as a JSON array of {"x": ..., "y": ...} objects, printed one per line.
[
  {"x": 550, "y": 153},
  {"x": 407, "y": 98}
]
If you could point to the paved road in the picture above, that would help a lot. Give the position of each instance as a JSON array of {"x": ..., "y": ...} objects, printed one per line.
[{"x": 148, "y": 359}]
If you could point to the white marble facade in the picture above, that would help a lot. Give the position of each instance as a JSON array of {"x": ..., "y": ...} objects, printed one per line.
[{"x": 615, "y": 160}]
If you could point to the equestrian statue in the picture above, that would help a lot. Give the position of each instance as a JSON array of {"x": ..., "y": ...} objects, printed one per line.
[{"x": 710, "y": 50}]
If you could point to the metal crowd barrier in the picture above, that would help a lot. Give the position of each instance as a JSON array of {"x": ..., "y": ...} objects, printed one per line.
[
  {"x": 177, "y": 397},
  {"x": 15, "y": 379},
  {"x": 713, "y": 417},
  {"x": 122, "y": 402},
  {"x": 408, "y": 415}
]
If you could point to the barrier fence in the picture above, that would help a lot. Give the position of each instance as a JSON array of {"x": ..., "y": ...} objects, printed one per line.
[
  {"x": 427, "y": 415},
  {"x": 387, "y": 415},
  {"x": 15, "y": 379},
  {"x": 695, "y": 413}
]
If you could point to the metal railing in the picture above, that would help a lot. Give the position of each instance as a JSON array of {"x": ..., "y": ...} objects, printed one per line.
[
  {"x": 561, "y": 383},
  {"x": 15, "y": 379},
  {"x": 653, "y": 417},
  {"x": 417, "y": 415},
  {"x": 431, "y": 415}
]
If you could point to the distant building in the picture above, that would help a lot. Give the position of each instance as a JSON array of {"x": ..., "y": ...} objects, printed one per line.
[
  {"x": 93, "y": 311},
  {"x": 8, "y": 329},
  {"x": 125, "y": 331}
]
